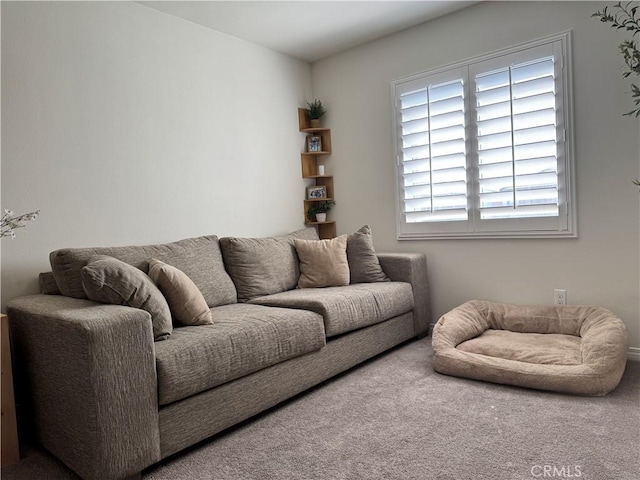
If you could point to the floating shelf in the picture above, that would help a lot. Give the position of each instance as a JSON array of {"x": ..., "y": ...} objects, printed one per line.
[{"x": 309, "y": 164}]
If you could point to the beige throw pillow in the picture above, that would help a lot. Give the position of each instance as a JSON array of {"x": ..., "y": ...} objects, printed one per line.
[
  {"x": 185, "y": 300},
  {"x": 323, "y": 263}
]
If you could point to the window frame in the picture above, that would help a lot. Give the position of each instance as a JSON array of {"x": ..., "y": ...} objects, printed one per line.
[{"x": 562, "y": 226}]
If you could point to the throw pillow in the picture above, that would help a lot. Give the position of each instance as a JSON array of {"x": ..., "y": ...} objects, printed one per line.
[
  {"x": 108, "y": 280},
  {"x": 363, "y": 261},
  {"x": 185, "y": 300},
  {"x": 323, "y": 263}
]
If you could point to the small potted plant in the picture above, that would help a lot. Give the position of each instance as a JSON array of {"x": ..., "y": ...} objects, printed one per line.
[
  {"x": 315, "y": 111},
  {"x": 319, "y": 210}
]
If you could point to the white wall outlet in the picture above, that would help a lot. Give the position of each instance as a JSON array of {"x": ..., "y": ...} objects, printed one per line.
[{"x": 559, "y": 297}]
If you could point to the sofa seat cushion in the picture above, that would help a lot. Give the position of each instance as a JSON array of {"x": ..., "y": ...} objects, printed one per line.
[
  {"x": 243, "y": 339},
  {"x": 350, "y": 307},
  {"x": 538, "y": 348}
]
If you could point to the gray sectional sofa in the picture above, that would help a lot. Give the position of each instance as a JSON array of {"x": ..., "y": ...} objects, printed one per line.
[{"x": 110, "y": 401}]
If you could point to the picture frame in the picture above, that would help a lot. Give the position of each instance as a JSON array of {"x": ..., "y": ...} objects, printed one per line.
[
  {"x": 316, "y": 192},
  {"x": 314, "y": 143}
]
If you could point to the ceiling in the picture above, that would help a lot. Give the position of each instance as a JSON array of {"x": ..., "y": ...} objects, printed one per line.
[{"x": 308, "y": 30}]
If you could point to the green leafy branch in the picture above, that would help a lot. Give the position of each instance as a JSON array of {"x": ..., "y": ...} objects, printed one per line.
[{"x": 625, "y": 17}]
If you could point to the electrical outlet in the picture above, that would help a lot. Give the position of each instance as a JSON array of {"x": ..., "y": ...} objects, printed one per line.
[{"x": 559, "y": 297}]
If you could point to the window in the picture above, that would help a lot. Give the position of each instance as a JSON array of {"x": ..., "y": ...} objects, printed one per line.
[{"x": 483, "y": 147}]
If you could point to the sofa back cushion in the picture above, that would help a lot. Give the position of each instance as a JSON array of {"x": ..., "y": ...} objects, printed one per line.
[
  {"x": 48, "y": 285},
  {"x": 199, "y": 258},
  {"x": 263, "y": 266}
]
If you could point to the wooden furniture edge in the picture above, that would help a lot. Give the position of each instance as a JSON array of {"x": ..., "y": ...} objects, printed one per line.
[{"x": 10, "y": 447}]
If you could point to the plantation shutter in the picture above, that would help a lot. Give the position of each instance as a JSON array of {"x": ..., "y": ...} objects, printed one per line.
[
  {"x": 483, "y": 146},
  {"x": 516, "y": 135},
  {"x": 433, "y": 164}
]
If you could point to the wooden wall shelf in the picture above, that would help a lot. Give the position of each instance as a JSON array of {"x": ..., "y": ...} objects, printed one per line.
[
  {"x": 309, "y": 164},
  {"x": 325, "y": 229}
]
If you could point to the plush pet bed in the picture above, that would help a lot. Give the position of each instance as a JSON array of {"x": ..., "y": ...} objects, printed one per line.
[{"x": 569, "y": 348}]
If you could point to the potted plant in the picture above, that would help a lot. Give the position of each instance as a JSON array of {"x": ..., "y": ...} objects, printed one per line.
[
  {"x": 319, "y": 210},
  {"x": 315, "y": 111}
]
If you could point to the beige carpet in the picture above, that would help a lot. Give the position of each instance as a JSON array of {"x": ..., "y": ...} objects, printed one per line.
[{"x": 394, "y": 418}]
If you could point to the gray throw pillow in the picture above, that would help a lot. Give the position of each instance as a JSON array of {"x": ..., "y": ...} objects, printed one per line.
[
  {"x": 364, "y": 265},
  {"x": 108, "y": 280}
]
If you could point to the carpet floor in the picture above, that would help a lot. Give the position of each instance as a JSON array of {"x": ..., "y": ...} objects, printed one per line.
[{"x": 395, "y": 418}]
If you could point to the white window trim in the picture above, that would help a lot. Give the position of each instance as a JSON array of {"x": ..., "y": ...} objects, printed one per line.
[{"x": 567, "y": 163}]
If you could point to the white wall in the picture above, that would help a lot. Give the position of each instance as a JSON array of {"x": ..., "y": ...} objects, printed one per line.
[
  {"x": 125, "y": 125},
  {"x": 602, "y": 265},
  {"x": 128, "y": 126}
]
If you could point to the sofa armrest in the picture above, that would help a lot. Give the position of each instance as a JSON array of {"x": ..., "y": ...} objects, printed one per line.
[
  {"x": 411, "y": 268},
  {"x": 92, "y": 381}
]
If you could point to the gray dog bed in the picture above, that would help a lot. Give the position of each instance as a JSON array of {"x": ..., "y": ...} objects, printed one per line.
[{"x": 571, "y": 348}]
